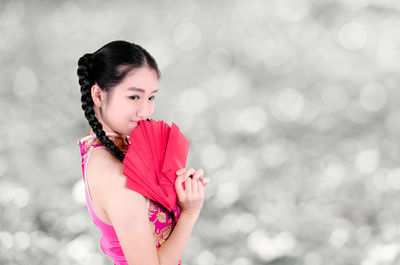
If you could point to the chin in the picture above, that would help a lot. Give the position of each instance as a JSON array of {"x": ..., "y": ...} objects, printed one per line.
[{"x": 128, "y": 132}]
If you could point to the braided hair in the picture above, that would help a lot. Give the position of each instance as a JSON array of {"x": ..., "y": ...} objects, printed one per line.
[{"x": 107, "y": 67}]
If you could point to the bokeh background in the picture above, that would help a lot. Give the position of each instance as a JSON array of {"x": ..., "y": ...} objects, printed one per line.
[{"x": 291, "y": 107}]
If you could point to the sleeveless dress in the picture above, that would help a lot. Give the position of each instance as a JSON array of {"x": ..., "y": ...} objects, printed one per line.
[{"x": 160, "y": 220}]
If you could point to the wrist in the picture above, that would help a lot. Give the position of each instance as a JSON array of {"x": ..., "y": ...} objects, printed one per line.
[{"x": 190, "y": 214}]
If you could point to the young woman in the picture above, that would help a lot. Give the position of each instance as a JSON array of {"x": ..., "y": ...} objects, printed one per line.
[{"x": 118, "y": 85}]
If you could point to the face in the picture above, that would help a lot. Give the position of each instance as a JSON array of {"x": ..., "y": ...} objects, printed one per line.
[{"x": 130, "y": 101}]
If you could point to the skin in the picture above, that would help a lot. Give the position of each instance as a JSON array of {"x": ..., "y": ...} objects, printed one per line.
[{"x": 121, "y": 207}]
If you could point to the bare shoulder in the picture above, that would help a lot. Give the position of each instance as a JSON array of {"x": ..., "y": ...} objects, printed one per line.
[
  {"x": 104, "y": 165},
  {"x": 108, "y": 183},
  {"x": 126, "y": 211},
  {"x": 112, "y": 178}
]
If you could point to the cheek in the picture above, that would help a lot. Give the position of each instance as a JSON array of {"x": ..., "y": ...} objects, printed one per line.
[
  {"x": 117, "y": 110},
  {"x": 122, "y": 105},
  {"x": 125, "y": 109}
]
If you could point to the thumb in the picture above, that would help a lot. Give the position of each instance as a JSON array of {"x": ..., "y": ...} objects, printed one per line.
[{"x": 178, "y": 186}]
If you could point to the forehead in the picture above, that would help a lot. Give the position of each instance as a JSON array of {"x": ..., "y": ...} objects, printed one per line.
[{"x": 143, "y": 77}]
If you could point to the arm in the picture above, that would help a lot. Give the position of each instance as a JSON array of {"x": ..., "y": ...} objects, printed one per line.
[
  {"x": 128, "y": 214},
  {"x": 172, "y": 249},
  {"x": 191, "y": 201}
]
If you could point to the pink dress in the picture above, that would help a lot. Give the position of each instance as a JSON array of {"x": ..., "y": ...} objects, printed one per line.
[{"x": 160, "y": 220}]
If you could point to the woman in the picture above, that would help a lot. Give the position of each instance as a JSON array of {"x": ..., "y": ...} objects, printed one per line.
[{"x": 118, "y": 85}]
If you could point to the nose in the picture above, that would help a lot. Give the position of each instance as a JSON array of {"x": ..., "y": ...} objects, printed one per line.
[{"x": 144, "y": 111}]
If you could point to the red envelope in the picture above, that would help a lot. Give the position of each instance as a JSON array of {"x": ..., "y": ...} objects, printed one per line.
[
  {"x": 176, "y": 153},
  {"x": 155, "y": 153}
]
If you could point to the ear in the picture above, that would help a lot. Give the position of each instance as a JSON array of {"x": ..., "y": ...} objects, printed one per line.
[{"x": 97, "y": 95}]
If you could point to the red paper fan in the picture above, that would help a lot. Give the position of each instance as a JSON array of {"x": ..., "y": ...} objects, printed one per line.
[{"x": 155, "y": 153}]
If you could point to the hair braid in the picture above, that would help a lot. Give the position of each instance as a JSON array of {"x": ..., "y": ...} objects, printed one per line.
[{"x": 86, "y": 81}]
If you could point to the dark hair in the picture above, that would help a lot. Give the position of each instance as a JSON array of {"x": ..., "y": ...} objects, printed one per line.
[{"x": 107, "y": 67}]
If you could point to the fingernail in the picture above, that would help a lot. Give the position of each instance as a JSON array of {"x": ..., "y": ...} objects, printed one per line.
[{"x": 180, "y": 171}]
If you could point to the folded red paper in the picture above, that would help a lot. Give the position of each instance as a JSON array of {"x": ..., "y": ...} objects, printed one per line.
[{"x": 155, "y": 153}]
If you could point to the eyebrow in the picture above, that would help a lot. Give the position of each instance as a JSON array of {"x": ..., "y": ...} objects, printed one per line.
[{"x": 140, "y": 89}]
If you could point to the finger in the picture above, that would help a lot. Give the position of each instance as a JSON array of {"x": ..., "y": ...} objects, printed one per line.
[
  {"x": 188, "y": 172},
  {"x": 188, "y": 185},
  {"x": 205, "y": 181},
  {"x": 180, "y": 171},
  {"x": 198, "y": 187},
  {"x": 199, "y": 174},
  {"x": 178, "y": 187},
  {"x": 195, "y": 184},
  {"x": 201, "y": 190}
]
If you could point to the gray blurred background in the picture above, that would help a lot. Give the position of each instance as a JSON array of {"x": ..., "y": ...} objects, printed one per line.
[{"x": 291, "y": 107}]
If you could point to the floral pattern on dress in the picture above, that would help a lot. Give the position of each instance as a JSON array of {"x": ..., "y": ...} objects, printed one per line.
[{"x": 161, "y": 222}]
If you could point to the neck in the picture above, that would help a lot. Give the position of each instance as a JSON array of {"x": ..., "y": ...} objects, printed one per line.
[{"x": 106, "y": 131}]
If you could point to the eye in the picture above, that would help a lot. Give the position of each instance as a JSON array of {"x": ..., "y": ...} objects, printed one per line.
[
  {"x": 133, "y": 97},
  {"x": 152, "y": 97}
]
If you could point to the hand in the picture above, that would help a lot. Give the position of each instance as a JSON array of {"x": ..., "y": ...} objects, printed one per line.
[
  {"x": 190, "y": 197},
  {"x": 204, "y": 181}
]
